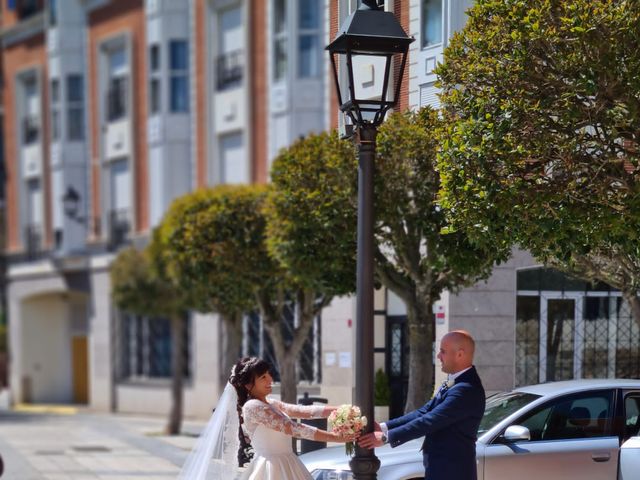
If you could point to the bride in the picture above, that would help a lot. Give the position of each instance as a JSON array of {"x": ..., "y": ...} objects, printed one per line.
[{"x": 245, "y": 419}]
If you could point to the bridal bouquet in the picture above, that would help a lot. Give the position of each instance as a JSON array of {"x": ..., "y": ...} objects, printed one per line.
[{"x": 347, "y": 420}]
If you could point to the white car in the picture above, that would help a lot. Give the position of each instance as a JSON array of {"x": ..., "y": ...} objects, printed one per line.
[{"x": 560, "y": 430}]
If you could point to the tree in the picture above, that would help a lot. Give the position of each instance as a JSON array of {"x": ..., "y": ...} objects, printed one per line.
[
  {"x": 415, "y": 257},
  {"x": 311, "y": 232},
  {"x": 216, "y": 243},
  {"x": 541, "y": 143},
  {"x": 214, "y": 248},
  {"x": 140, "y": 285}
]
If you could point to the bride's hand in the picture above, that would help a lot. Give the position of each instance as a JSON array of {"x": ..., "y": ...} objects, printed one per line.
[{"x": 348, "y": 438}]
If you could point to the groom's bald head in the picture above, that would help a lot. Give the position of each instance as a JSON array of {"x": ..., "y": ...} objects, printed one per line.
[
  {"x": 456, "y": 351},
  {"x": 463, "y": 341}
]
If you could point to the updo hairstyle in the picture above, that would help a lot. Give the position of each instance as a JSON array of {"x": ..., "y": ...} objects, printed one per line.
[{"x": 244, "y": 373}]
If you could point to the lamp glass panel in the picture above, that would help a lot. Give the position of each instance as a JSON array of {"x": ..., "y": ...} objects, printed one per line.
[{"x": 368, "y": 76}]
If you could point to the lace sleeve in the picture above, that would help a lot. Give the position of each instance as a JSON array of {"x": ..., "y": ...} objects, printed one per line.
[
  {"x": 259, "y": 413},
  {"x": 299, "y": 411}
]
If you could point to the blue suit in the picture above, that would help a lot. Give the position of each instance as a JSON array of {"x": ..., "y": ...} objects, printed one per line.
[{"x": 449, "y": 422}]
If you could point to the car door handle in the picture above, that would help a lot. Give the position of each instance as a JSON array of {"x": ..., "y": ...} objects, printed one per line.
[{"x": 601, "y": 457}]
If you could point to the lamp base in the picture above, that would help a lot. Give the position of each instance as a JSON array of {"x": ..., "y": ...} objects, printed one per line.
[{"x": 364, "y": 467}]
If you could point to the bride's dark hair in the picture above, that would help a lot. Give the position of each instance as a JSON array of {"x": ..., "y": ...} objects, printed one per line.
[{"x": 244, "y": 373}]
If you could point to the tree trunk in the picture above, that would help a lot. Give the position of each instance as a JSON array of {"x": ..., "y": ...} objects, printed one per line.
[
  {"x": 230, "y": 343},
  {"x": 634, "y": 303},
  {"x": 288, "y": 380},
  {"x": 177, "y": 372},
  {"x": 420, "y": 335},
  {"x": 287, "y": 355}
]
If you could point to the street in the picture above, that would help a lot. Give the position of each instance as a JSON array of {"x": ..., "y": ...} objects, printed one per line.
[{"x": 65, "y": 444}]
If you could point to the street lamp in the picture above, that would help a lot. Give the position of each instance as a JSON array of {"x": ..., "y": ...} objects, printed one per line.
[{"x": 368, "y": 41}]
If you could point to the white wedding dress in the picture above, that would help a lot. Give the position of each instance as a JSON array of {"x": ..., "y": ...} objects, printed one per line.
[{"x": 270, "y": 428}]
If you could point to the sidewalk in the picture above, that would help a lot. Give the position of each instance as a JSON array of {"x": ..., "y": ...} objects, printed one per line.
[{"x": 42, "y": 444}]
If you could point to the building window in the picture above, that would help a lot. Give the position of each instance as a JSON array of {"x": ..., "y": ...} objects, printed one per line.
[
  {"x": 75, "y": 107},
  {"x": 34, "y": 232},
  {"x": 55, "y": 109},
  {"x": 279, "y": 39},
  {"x": 31, "y": 119},
  {"x": 26, "y": 8},
  {"x": 146, "y": 347},
  {"x": 117, "y": 99},
  {"x": 568, "y": 328},
  {"x": 117, "y": 85},
  {"x": 431, "y": 22},
  {"x": 309, "y": 59},
  {"x": 230, "y": 61},
  {"x": 179, "y": 76},
  {"x": 154, "y": 79},
  {"x": 53, "y": 13},
  {"x": 119, "y": 213}
]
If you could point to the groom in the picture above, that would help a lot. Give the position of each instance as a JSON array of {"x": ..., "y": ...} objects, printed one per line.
[{"x": 449, "y": 421}]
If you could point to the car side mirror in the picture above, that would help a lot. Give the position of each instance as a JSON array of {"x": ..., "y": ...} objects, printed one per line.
[{"x": 516, "y": 433}]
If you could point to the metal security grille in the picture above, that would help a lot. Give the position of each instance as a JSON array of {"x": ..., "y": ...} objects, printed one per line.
[
  {"x": 627, "y": 355},
  {"x": 527, "y": 340},
  {"x": 257, "y": 342},
  {"x": 574, "y": 334},
  {"x": 144, "y": 348}
]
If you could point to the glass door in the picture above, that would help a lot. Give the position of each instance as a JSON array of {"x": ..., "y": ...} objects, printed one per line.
[{"x": 560, "y": 344}]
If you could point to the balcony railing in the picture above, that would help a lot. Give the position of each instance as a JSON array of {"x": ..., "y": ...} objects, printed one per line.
[
  {"x": 117, "y": 99},
  {"x": 30, "y": 129},
  {"x": 119, "y": 228},
  {"x": 33, "y": 241},
  {"x": 229, "y": 69}
]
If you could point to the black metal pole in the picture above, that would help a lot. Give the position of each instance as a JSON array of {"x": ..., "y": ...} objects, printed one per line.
[{"x": 365, "y": 464}]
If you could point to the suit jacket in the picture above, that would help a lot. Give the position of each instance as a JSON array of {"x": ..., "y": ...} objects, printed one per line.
[{"x": 449, "y": 422}]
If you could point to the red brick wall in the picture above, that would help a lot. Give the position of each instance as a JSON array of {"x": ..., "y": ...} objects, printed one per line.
[
  {"x": 121, "y": 18},
  {"x": 259, "y": 72},
  {"x": 334, "y": 20},
  {"x": 27, "y": 55},
  {"x": 401, "y": 10},
  {"x": 201, "y": 93}
]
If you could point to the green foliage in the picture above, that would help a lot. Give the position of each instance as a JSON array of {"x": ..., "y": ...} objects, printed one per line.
[
  {"x": 215, "y": 246},
  {"x": 541, "y": 141},
  {"x": 141, "y": 285},
  {"x": 411, "y": 227},
  {"x": 312, "y": 214},
  {"x": 382, "y": 392}
]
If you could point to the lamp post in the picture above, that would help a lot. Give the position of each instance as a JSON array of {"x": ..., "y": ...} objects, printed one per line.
[{"x": 368, "y": 41}]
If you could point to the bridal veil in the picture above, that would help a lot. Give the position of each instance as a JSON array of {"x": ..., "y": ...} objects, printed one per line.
[{"x": 215, "y": 453}]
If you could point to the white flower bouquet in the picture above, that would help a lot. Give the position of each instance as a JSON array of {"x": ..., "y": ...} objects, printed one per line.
[{"x": 347, "y": 420}]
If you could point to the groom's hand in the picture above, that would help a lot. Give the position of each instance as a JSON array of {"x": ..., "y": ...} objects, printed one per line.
[{"x": 371, "y": 440}]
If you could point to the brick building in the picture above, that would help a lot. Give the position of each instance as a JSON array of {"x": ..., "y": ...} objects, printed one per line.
[{"x": 113, "y": 108}]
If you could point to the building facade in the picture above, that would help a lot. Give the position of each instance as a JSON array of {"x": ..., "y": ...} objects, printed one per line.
[{"x": 113, "y": 108}]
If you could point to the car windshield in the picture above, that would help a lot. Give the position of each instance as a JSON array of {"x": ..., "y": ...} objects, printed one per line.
[{"x": 501, "y": 405}]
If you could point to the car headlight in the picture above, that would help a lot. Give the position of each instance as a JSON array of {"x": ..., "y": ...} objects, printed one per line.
[{"x": 324, "y": 474}]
